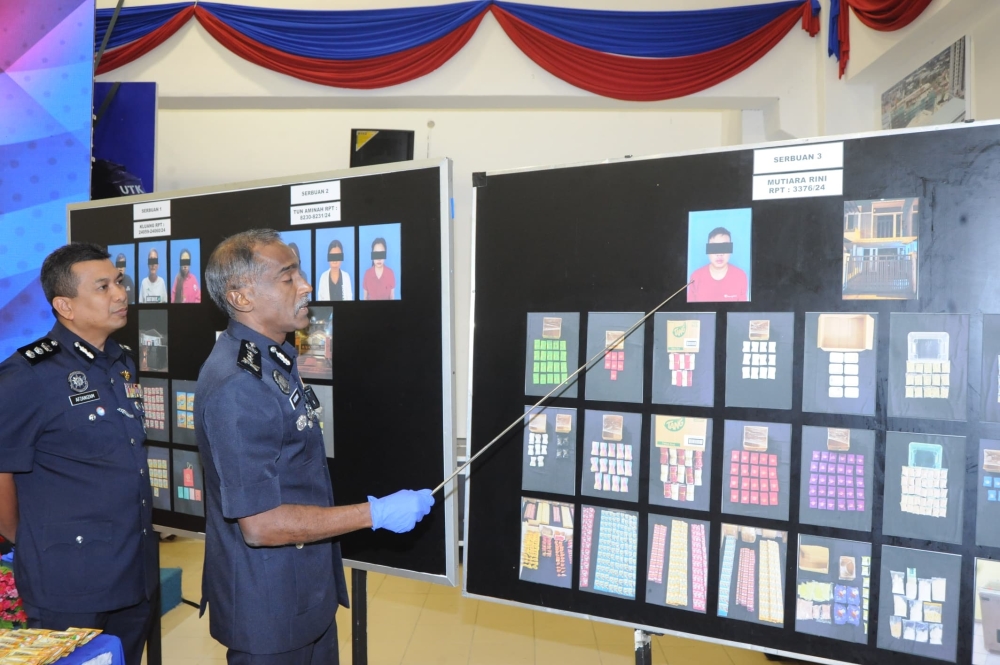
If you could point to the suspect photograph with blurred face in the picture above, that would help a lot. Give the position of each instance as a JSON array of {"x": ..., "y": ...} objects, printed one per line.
[
  {"x": 383, "y": 276},
  {"x": 185, "y": 264},
  {"x": 719, "y": 255},
  {"x": 124, "y": 258},
  {"x": 153, "y": 288}
]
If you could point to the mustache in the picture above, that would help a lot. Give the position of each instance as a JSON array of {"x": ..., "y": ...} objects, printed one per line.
[{"x": 301, "y": 304}]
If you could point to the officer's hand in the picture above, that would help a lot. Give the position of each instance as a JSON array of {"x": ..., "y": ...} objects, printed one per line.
[{"x": 401, "y": 511}]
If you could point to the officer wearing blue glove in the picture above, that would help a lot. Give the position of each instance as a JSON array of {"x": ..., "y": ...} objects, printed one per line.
[{"x": 270, "y": 515}]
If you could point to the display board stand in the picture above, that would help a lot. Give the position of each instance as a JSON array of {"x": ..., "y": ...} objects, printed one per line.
[
  {"x": 359, "y": 616},
  {"x": 643, "y": 647}
]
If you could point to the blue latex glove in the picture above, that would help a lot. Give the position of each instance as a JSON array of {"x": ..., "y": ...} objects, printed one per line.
[
  {"x": 401, "y": 511},
  {"x": 8, "y": 558}
]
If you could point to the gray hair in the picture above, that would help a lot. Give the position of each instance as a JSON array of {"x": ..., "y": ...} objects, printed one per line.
[{"x": 234, "y": 265}]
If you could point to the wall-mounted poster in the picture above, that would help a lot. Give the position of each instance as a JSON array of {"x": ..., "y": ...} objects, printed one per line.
[
  {"x": 300, "y": 242},
  {"x": 156, "y": 408},
  {"x": 986, "y": 627},
  {"x": 933, "y": 94},
  {"x": 617, "y": 377},
  {"x": 379, "y": 259},
  {"x": 325, "y": 396},
  {"x": 918, "y": 602},
  {"x": 188, "y": 483},
  {"x": 759, "y": 347},
  {"x": 988, "y": 494},
  {"x": 335, "y": 271},
  {"x": 546, "y": 542},
  {"x": 928, "y": 365},
  {"x": 680, "y": 461},
  {"x": 183, "y": 403},
  {"x": 719, "y": 256},
  {"x": 881, "y": 242},
  {"x": 990, "y": 386},
  {"x": 123, "y": 256},
  {"x": 835, "y": 486},
  {"x": 154, "y": 353},
  {"x": 158, "y": 460},
  {"x": 612, "y": 454},
  {"x": 315, "y": 345},
  {"x": 684, "y": 358},
  {"x": 549, "y": 452},
  {"x": 833, "y": 588},
  {"x": 552, "y": 353},
  {"x": 154, "y": 276},
  {"x": 752, "y": 574},
  {"x": 840, "y": 363},
  {"x": 608, "y": 550},
  {"x": 924, "y": 486},
  {"x": 185, "y": 266},
  {"x": 756, "y": 463},
  {"x": 677, "y": 569}
]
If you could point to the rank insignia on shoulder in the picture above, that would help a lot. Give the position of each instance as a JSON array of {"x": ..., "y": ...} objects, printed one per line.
[
  {"x": 83, "y": 350},
  {"x": 249, "y": 358},
  {"x": 280, "y": 356},
  {"x": 39, "y": 350}
]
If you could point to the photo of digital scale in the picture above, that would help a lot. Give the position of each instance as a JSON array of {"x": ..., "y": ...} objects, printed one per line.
[
  {"x": 924, "y": 481},
  {"x": 928, "y": 370}
]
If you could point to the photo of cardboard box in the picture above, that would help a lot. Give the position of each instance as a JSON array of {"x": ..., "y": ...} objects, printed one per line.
[
  {"x": 681, "y": 432},
  {"x": 612, "y": 427},
  {"x": 683, "y": 336},
  {"x": 846, "y": 333},
  {"x": 551, "y": 327}
]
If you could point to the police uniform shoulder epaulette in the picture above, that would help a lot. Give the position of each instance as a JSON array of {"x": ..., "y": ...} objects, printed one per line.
[
  {"x": 39, "y": 350},
  {"x": 249, "y": 358}
]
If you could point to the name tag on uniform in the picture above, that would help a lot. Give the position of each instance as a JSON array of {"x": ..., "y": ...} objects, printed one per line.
[
  {"x": 295, "y": 398},
  {"x": 84, "y": 398}
]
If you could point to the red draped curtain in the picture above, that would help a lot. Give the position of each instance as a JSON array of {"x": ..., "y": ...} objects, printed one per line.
[{"x": 881, "y": 15}]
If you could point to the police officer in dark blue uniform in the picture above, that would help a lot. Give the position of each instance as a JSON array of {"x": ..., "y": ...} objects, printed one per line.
[
  {"x": 273, "y": 577},
  {"x": 74, "y": 486}
]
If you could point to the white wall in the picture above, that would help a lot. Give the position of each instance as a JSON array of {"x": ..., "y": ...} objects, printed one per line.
[{"x": 223, "y": 119}]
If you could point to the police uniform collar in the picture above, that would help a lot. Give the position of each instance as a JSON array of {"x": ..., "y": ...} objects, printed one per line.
[
  {"x": 81, "y": 348},
  {"x": 240, "y": 331}
]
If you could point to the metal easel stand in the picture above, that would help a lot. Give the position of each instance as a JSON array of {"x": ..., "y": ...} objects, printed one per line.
[
  {"x": 643, "y": 648},
  {"x": 359, "y": 617}
]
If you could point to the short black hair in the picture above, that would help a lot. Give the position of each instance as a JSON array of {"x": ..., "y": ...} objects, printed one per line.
[
  {"x": 334, "y": 244},
  {"x": 720, "y": 231},
  {"x": 57, "y": 268}
]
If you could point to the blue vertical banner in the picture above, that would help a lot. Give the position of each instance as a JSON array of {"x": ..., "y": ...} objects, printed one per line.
[{"x": 46, "y": 79}]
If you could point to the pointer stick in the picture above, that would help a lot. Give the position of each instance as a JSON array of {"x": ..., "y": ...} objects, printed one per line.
[{"x": 600, "y": 354}]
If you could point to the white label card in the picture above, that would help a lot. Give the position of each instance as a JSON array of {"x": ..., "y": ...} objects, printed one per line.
[
  {"x": 799, "y": 158},
  {"x": 151, "y": 229},
  {"x": 150, "y": 210},
  {"x": 316, "y": 213},
  {"x": 804, "y": 184},
  {"x": 315, "y": 192}
]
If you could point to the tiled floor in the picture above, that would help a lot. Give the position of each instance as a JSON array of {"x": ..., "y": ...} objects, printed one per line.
[
  {"x": 980, "y": 656},
  {"x": 418, "y": 623}
]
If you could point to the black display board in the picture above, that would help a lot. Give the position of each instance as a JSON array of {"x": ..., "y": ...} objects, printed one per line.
[
  {"x": 912, "y": 232},
  {"x": 382, "y": 369}
]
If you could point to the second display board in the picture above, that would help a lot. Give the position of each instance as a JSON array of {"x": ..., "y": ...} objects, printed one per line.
[
  {"x": 783, "y": 455},
  {"x": 377, "y": 358}
]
